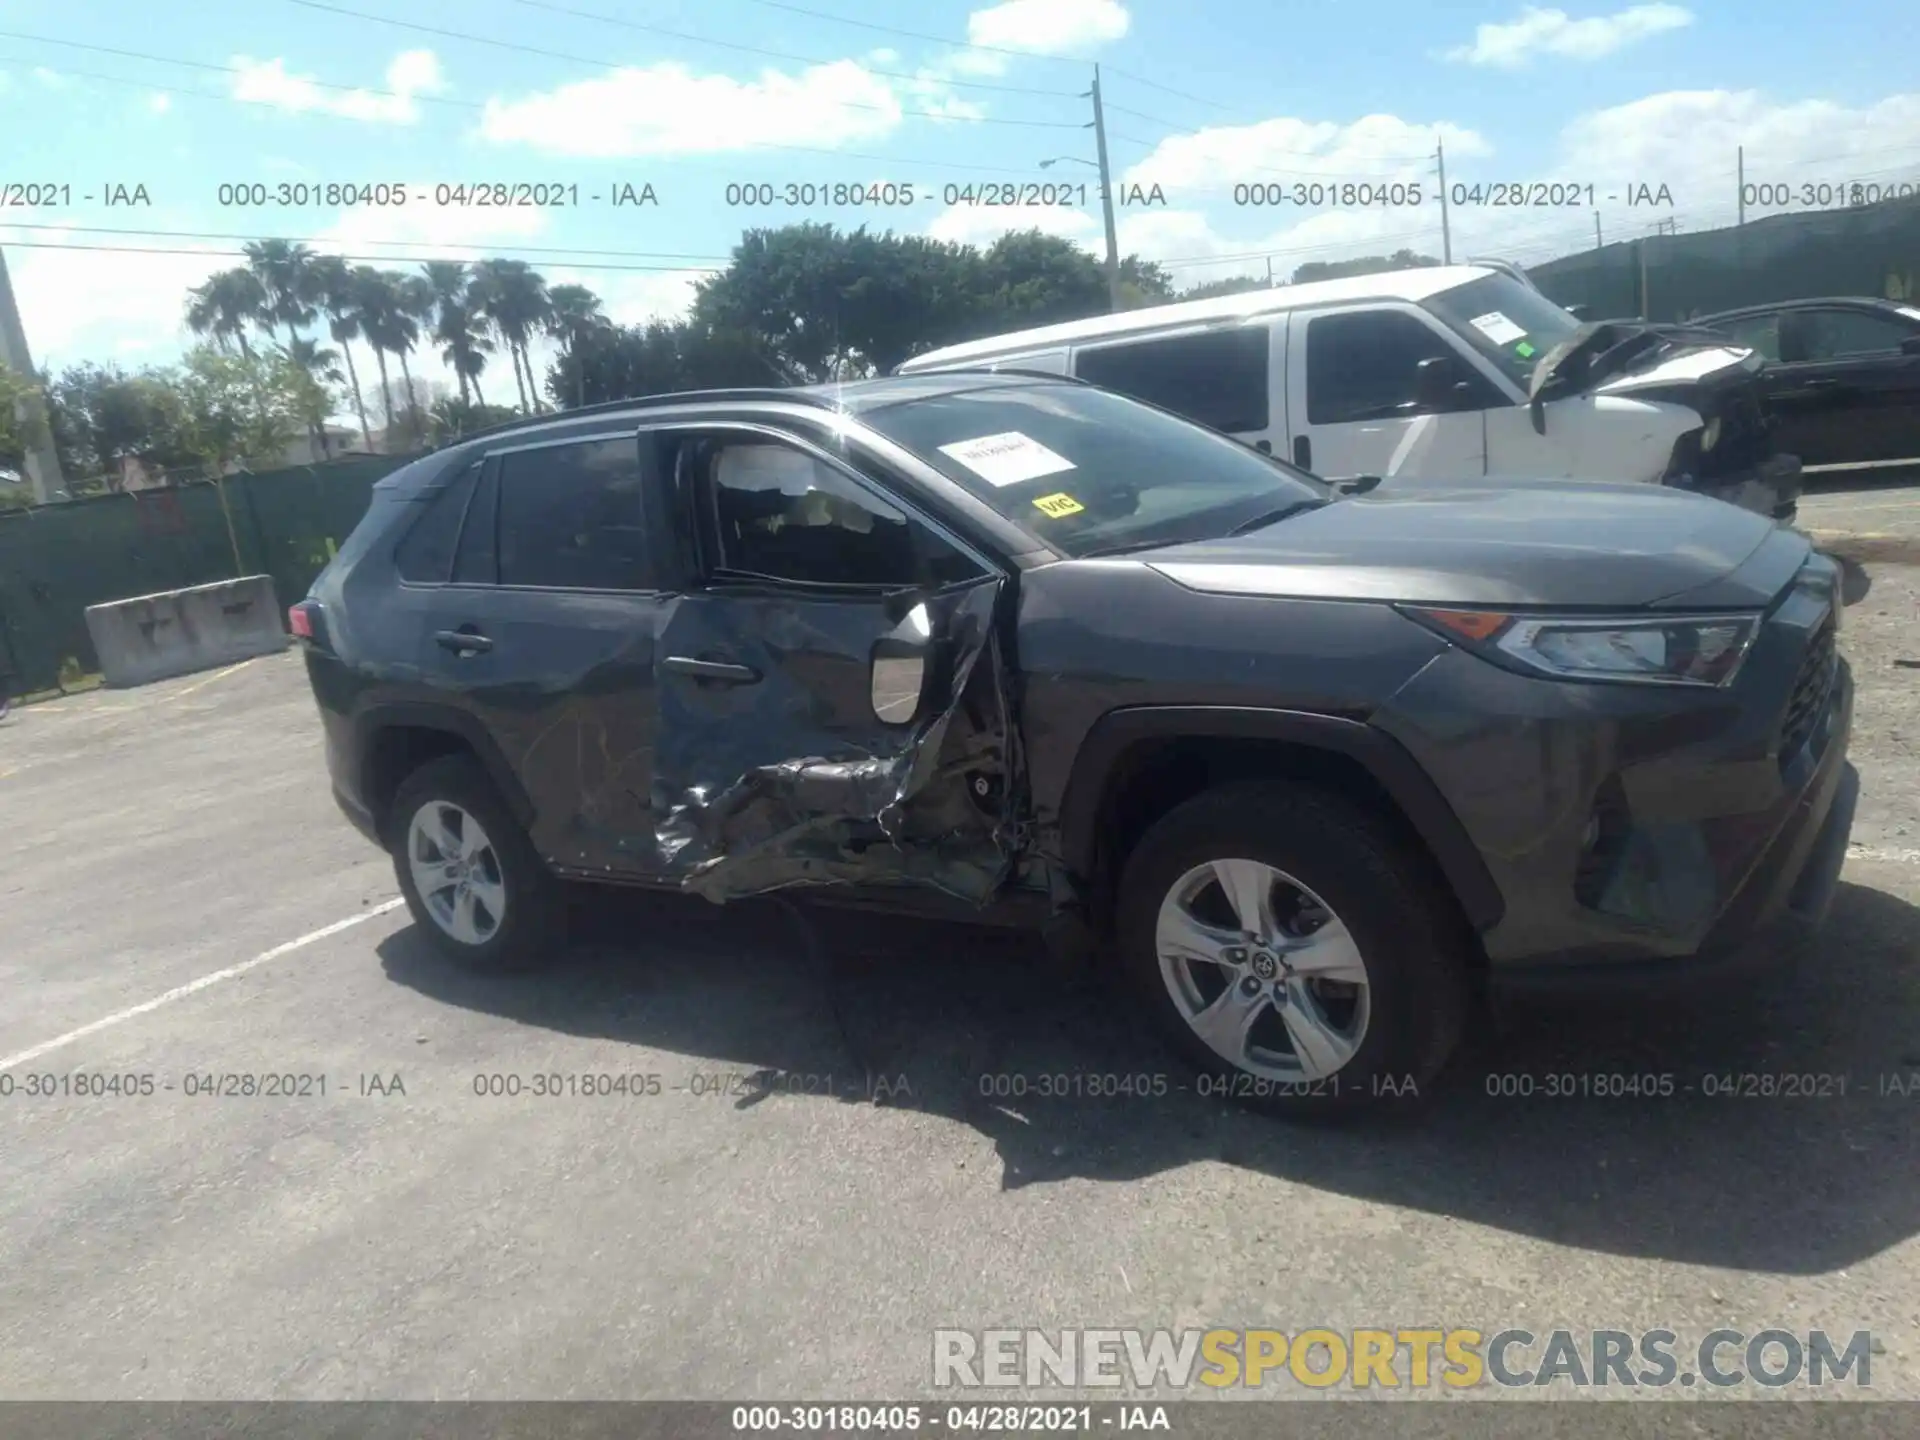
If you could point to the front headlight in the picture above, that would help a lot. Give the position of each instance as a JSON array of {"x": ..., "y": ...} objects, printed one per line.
[{"x": 1704, "y": 650}]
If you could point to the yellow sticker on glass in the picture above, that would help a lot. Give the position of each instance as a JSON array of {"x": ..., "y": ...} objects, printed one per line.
[{"x": 1058, "y": 505}]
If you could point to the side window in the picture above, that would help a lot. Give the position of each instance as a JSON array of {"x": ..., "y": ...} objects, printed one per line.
[
  {"x": 779, "y": 512},
  {"x": 1840, "y": 333},
  {"x": 474, "y": 562},
  {"x": 1365, "y": 365},
  {"x": 1756, "y": 332},
  {"x": 425, "y": 553},
  {"x": 570, "y": 517},
  {"x": 1218, "y": 379}
]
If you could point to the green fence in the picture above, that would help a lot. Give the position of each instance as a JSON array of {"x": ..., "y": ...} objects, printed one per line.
[
  {"x": 1867, "y": 250},
  {"x": 56, "y": 560}
]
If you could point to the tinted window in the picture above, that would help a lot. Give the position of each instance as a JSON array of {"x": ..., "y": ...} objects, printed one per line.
[
  {"x": 570, "y": 517},
  {"x": 1757, "y": 332},
  {"x": 780, "y": 512},
  {"x": 1366, "y": 365},
  {"x": 425, "y": 552},
  {"x": 1089, "y": 470},
  {"x": 1838, "y": 333},
  {"x": 474, "y": 562},
  {"x": 1218, "y": 379}
]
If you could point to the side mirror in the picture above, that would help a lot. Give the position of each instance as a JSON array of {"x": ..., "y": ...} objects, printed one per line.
[
  {"x": 902, "y": 667},
  {"x": 1439, "y": 384},
  {"x": 1910, "y": 345}
]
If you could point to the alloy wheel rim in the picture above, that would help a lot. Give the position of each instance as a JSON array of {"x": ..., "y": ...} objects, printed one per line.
[
  {"x": 457, "y": 872},
  {"x": 1262, "y": 970}
]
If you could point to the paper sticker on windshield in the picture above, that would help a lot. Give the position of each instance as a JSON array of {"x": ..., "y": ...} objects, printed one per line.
[
  {"x": 1058, "y": 505},
  {"x": 1497, "y": 328},
  {"x": 1007, "y": 458}
]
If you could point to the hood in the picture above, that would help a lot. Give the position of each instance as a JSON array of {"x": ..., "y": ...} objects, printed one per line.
[
  {"x": 1500, "y": 543},
  {"x": 1626, "y": 357}
]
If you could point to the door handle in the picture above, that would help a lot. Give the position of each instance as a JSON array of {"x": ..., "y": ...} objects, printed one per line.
[
  {"x": 462, "y": 642},
  {"x": 721, "y": 671},
  {"x": 1303, "y": 452}
]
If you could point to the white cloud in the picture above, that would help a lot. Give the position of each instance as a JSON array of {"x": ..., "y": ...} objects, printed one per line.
[
  {"x": 52, "y": 79},
  {"x": 666, "y": 109},
  {"x": 411, "y": 73},
  {"x": 1048, "y": 25},
  {"x": 84, "y": 304},
  {"x": 1284, "y": 149},
  {"x": 983, "y": 224},
  {"x": 159, "y": 103},
  {"x": 1554, "y": 32}
]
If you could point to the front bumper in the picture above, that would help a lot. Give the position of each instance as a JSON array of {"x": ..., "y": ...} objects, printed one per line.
[
  {"x": 1632, "y": 830},
  {"x": 1771, "y": 488}
]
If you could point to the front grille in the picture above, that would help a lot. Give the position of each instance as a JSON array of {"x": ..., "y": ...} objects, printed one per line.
[{"x": 1811, "y": 689}]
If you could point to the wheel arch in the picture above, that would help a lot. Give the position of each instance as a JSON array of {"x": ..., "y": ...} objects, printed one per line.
[
  {"x": 1136, "y": 762},
  {"x": 397, "y": 739}
]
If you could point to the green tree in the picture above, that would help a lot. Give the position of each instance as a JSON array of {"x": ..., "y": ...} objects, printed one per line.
[
  {"x": 102, "y": 416},
  {"x": 284, "y": 269},
  {"x": 375, "y": 304},
  {"x": 575, "y": 314},
  {"x": 458, "y": 327},
  {"x": 339, "y": 300},
  {"x": 512, "y": 296},
  {"x": 236, "y": 410},
  {"x": 313, "y": 371},
  {"x": 1231, "y": 285},
  {"x": 20, "y": 427},
  {"x": 226, "y": 305},
  {"x": 450, "y": 418}
]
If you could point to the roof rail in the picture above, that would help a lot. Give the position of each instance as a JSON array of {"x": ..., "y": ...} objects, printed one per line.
[
  {"x": 1509, "y": 268},
  {"x": 989, "y": 368},
  {"x": 636, "y": 402}
]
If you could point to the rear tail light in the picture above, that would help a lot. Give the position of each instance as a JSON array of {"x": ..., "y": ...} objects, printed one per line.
[{"x": 300, "y": 620}]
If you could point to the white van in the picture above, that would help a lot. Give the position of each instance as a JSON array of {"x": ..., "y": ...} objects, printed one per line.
[{"x": 1443, "y": 372}]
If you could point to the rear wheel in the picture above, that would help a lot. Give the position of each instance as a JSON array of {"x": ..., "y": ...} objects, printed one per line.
[
  {"x": 1290, "y": 947},
  {"x": 470, "y": 875}
]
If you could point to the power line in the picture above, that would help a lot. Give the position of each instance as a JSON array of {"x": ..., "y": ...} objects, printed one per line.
[
  {"x": 427, "y": 99},
  {"x": 625, "y": 24},
  {"x": 521, "y": 49}
]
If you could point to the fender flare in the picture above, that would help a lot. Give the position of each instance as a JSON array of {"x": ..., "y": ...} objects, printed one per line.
[
  {"x": 414, "y": 715},
  {"x": 1384, "y": 758}
]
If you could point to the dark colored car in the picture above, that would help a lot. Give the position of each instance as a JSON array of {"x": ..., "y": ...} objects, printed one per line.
[
  {"x": 1021, "y": 650},
  {"x": 1842, "y": 379}
]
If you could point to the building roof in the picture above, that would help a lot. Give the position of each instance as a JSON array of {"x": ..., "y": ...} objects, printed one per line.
[{"x": 1415, "y": 284}]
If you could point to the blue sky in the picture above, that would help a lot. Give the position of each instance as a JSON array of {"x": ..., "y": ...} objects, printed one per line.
[{"x": 1203, "y": 96}]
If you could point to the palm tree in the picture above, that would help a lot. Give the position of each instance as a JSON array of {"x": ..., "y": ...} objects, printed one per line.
[
  {"x": 375, "y": 303},
  {"x": 513, "y": 296},
  {"x": 416, "y": 309},
  {"x": 337, "y": 295},
  {"x": 285, "y": 271},
  {"x": 458, "y": 327},
  {"x": 225, "y": 306},
  {"x": 319, "y": 368},
  {"x": 572, "y": 312}
]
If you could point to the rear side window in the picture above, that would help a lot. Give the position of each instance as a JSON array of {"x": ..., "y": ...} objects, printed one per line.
[
  {"x": 572, "y": 517},
  {"x": 1365, "y": 365},
  {"x": 474, "y": 562},
  {"x": 425, "y": 553},
  {"x": 1218, "y": 379}
]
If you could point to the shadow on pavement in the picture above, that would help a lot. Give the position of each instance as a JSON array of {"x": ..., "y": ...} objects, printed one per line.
[{"x": 950, "y": 1021}]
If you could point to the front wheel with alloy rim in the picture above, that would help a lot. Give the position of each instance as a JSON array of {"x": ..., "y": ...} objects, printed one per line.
[
  {"x": 470, "y": 876},
  {"x": 1291, "y": 947}
]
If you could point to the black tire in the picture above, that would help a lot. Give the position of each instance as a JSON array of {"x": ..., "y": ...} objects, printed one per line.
[
  {"x": 1411, "y": 937},
  {"x": 533, "y": 929}
]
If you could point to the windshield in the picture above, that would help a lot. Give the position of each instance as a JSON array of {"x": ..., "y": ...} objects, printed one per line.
[
  {"x": 1091, "y": 472},
  {"x": 1511, "y": 325}
]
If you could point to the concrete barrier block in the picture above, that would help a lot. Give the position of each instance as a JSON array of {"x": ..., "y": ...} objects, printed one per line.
[{"x": 153, "y": 637}]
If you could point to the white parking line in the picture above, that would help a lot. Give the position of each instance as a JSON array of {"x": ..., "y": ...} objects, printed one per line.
[{"x": 180, "y": 992}]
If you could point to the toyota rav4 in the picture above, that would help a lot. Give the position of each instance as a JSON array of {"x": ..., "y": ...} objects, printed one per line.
[{"x": 1312, "y": 767}]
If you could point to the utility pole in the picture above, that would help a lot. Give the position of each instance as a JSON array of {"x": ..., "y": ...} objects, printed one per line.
[
  {"x": 1106, "y": 196},
  {"x": 1269, "y": 272},
  {"x": 1598, "y": 243},
  {"x": 1741, "y": 165},
  {"x": 43, "y": 462},
  {"x": 1446, "y": 227}
]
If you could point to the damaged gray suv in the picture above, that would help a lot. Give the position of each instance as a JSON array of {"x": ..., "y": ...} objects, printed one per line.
[{"x": 1310, "y": 767}]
